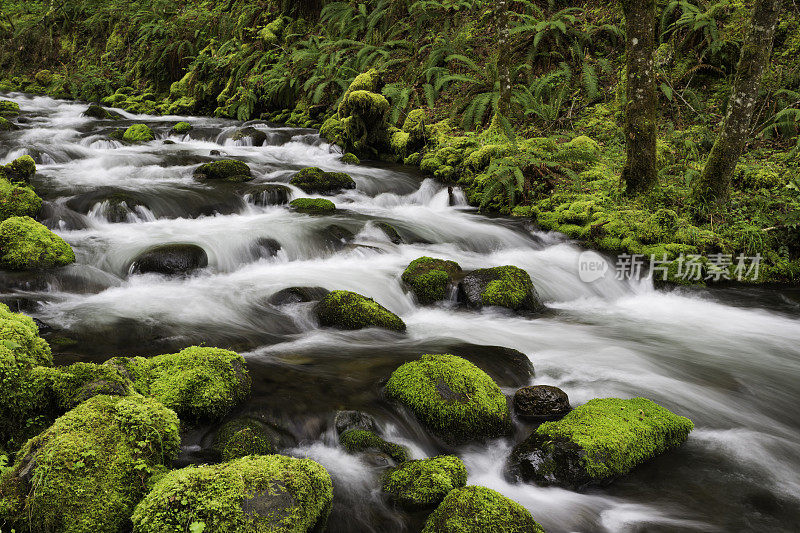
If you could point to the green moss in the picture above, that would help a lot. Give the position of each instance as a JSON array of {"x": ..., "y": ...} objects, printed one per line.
[
  {"x": 26, "y": 245},
  {"x": 430, "y": 279},
  {"x": 21, "y": 169},
  {"x": 254, "y": 494},
  {"x": 414, "y": 125},
  {"x": 425, "y": 483},
  {"x": 181, "y": 128},
  {"x": 225, "y": 170},
  {"x": 398, "y": 142},
  {"x": 5, "y": 125},
  {"x": 17, "y": 201},
  {"x": 241, "y": 437},
  {"x": 332, "y": 130},
  {"x": 315, "y": 180},
  {"x": 8, "y": 108},
  {"x": 350, "y": 159},
  {"x": 349, "y": 310},
  {"x": 613, "y": 436},
  {"x": 90, "y": 468},
  {"x": 510, "y": 287},
  {"x": 478, "y": 510},
  {"x": 451, "y": 396},
  {"x": 78, "y": 382},
  {"x": 359, "y": 440},
  {"x": 182, "y": 106},
  {"x": 312, "y": 205},
  {"x": 581, "y": 148},
  {"x": 138, "y": 133}
]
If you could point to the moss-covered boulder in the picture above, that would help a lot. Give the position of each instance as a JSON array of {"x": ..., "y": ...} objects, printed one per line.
[
  {"x": 18, "y": 201},
  {"x": 315, "y": 180},
  {"x": 181, "y": 128},
  {"x": 253, "y": 494},
  {"x": 312, "y": 206},
  {"x": 27, "y": 245},
  {"x": 597, "y": 442},
  {"x": 431, "y": 279},
  {"x": 197, "y": 382},
  {"x": 423, "y": 484},
  {"x": 8, "y": 108},
  {"x": 350, "y": 310},
  {"x": 224, "y": 170},
  {"x": 347, "y": 420},
  {"x": 480, "y": 510},
  {"x": 90, "y": 468},
  {"x": 244, "y": 436},
  {"x": 138, "y": 133},
  {"x": 6, "y": 125},
  {"x": 73, "y": 384},
  {"x": 359, "y": 440},
  {"x": 251, "y": 135},
  {"x": 451, "y": 396},
  {"x": 101, "y": 113},
  {"x": 350, "y": 159},
  {"x": 504, "y": 286},
  {"x": 20, "y": 170}
]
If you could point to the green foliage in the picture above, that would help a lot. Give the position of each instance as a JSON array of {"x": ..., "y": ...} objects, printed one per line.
[
  {"x": 451, "y": 396},
  {"x": 358, "y": 440},
  {"x": 349, "y": 310},
  {"x": 424, "y": 483},
  {"x": 28, "y": 245}
]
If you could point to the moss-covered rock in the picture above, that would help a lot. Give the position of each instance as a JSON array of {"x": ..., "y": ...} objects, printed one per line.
[
  {"x": 244, "y": 436},
  {"x": 224, "y": 170},
  {"x": 597, "y": 442},
  {"x": 360, "y": 440},
  {"x": 333, "y": 130},
  {"x": 181, "y": 128},
  {"x": 424, "y": 483},
  {"x": 452, "y": 397},
  {"x": 350, "y": 310},
  {"x": 253, "y": 494},
  {"x": 90, "y": 468},
  {"x": 197, "y": 382},
  {"x": 313, "y": 206},
  {"x": 99, "y": 112},
  {"x": 480, "y": 510},
  {"x": 20, "y": 170},
  {"x": 315, "y": 180},
  {"x": 430, "y": 279},
  {"x": 27, "y": 245},
  {"x": 350, "y": 159},
  {"x": 138, "y": 133},
  {"x": 8, "y": 108},
  {"x": 505, "y": 286},
  {"x": 17, "y": 201},
  {"x": 5, "y": 125}
]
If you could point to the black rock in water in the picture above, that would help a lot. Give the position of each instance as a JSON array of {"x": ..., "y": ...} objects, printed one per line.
[
  {"x": 539, "y": 403},
  {"x": 170, "y": 259}
]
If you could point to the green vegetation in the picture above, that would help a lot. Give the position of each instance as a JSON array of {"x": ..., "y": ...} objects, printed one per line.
[
  {"x": 313, "y": 206},
  {"x": 182, "y": 128},
  {"x": 138, "y": 133},
  {"x": 90, "y": 468},
  {"x": 241, "y": 437},
  {"x": 430, "y": 279},
  {"x": 17, "y": 201},
  {"x": 425, "y": 483},
  {"x": 26, "y": 245},
  {"x": 358, "y": 440},
  {"x": 8, "y": 108},
  {"x": 451, "y": 396},
  {"x": 350, "y": 159},
  {"x": 21, "y": 169},
  {"x": 349, "y": 310},
  {"x": 505, "y": 286},
  {"x": 314, "y": 180},
  {"x": 253, "y": 494},
  {"x": 225, "y": 170},
  {"x": 477, "y": 510}
]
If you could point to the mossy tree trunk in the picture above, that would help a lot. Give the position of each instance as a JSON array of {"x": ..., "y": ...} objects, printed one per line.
[
  {"x": 714, "y": 184},
  {"x": 639, "y": 173}
]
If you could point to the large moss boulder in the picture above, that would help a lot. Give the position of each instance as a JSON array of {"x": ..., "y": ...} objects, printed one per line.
[
  {"x": 90, "y": 468},
  {"x": 181, "y": 128},
  {"x": 315, "y": 180},
  {"x": 451, "y": 396},
  {"x": 8, "y": 108},
  {"x": 350, "y": 310},
  {"x": 197, "y": 382},
  {"x": 431, "y": 279},
  {"x": 20, "y": 170},
  {"x": 505, "y": 286},
  {"x": 480, "y": 510},
  {"x": 224, "y": 170},
  {"x": 99, "y": 112},
  {"x": 424, "y": 483},
  {"x": 359, "y": 441},
  {"x": 249, "y": 435},
  {"x": 27, "y": 245},
  {"x": 597, "y": 442},
  {"x": 170, "y": 259},
  {"x": 254, "y": 494},
  {"x": 313, "y": 206},
  {"x": 137, "y": 133},
  {"x": 18, "y": 201}
]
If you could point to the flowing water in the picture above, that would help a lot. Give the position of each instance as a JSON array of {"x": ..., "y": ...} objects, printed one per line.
[{"x": 727, "y": 359}]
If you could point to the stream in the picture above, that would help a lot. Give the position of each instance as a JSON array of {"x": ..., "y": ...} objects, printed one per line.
[{"x": 729, "y": 359}]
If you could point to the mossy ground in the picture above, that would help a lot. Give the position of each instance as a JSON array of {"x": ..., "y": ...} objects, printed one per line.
[
  {"x": 424, "y": 483},
  {"x": 453, "y": 397},
  {"x": 350, "y": 310}
]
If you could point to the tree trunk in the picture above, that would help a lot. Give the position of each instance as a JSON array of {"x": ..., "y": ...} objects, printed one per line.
[
  {"x": 714, "y": 184},
  {"x": 639, "y": 173}
]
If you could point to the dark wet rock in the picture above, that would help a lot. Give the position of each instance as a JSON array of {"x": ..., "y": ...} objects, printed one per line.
[
  {"x": 256, "y": 136},
  {"x": 338, "y": 234},
  {"x": 170, "y": 259},
  {"x": 214, "y": 152},
  {"x": 269, "y": 194},
  {"x": 264, "y": 247},
  {"x": 168, "y": 141},
  {"x": 539, "y": 403},
  {"x": 505, "y": 286},
  {"x": 505, "y": 365},
  {"x": 360, "y": 440},
  {"x": 294, "y": 295},
  {"x": 98, "y": 112},
  {"x": 347, "y": 420},
  {"x": 315, "y": 180},
  {"x": 224, "y": 170},
  {"x": 390, "y": 232}
]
